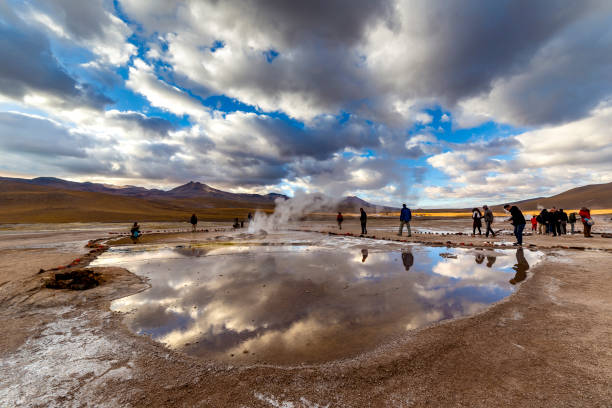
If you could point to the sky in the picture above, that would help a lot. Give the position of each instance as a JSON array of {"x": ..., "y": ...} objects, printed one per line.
[{"x": 427, "y": 102}]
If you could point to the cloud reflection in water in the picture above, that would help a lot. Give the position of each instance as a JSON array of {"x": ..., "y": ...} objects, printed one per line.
[{"x": 305, "y": 304}]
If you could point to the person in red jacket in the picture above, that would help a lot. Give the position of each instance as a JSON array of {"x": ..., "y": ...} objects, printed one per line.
[
  {"x": 585, "y": 214},
  {"x": 534, "y": 223},
  {"x": 339, "y": 218}
]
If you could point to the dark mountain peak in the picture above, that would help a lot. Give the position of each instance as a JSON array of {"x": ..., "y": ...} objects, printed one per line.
[
  {"x": 39, "y": 179},
  {"x": 193, "y": 189}
]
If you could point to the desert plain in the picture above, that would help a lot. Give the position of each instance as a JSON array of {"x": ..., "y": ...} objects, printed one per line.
[{"x": 548, "y": 344}]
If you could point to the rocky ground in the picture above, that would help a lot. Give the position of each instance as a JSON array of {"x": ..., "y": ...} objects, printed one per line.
[{"x": 548, "y": 345}]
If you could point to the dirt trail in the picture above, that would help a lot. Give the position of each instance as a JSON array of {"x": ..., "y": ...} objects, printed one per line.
[{"x": 548, "y": 345}]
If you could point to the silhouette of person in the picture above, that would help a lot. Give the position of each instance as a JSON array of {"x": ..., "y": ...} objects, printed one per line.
[
  {"x": 364, "y": 252},
  {"x": 479, "y": 258},
  {"x": 491, "y": 260},
  {"x": 407, "y": 258},
  {"x": 363, "y": 218},
  {"x": 521, "y": 267}
]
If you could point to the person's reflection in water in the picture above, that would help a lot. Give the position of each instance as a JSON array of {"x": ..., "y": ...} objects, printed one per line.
[
  {"x": 364, "y": 252},
  {"x": 407, "y": 258},
  {"x": 491, "y": 260},
  {"x": 521, "y": 267},
  {"x": 479, "y": 258}
]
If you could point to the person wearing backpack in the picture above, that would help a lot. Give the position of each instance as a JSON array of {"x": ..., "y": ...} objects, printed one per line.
[
  {"x": 587, "y": 221},
  {"x": 135, "y": 232},
  {"x": 488, "y": 217}
]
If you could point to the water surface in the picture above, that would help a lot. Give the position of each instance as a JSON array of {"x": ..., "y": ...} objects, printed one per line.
[{"x": 314, "y": 300}]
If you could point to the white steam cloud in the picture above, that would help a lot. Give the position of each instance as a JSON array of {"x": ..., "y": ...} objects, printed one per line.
[{"x": 294, "y": 208}]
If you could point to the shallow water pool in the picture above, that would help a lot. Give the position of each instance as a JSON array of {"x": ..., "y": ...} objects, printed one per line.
[{"x": 306, "y": 301}]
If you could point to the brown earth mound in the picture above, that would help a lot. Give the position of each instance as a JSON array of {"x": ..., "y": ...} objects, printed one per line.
[{"x": 80, "y": 279}]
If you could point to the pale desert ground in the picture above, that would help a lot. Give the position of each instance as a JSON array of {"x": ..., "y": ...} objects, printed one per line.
[{"x": 547, "y": 345}]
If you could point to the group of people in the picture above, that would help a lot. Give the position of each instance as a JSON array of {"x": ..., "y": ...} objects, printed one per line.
[
  {"x": 363, "y": 218},
  {"x": 477, "y": 218},
  {"x": 517, "y": 219},
  {"x": 405, "y": 217},
  {"x": 555, "y": 222},
  {"x": 551, "y": 221}
]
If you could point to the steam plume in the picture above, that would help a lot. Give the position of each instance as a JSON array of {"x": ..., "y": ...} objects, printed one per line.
[{"x": 290, "y": 209}]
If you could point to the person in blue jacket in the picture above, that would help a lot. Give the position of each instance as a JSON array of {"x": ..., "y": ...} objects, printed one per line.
[{"x": 405, "y": 217}]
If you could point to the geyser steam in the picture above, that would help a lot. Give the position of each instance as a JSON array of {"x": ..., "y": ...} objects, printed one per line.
[{"x": 291, "y": 209}]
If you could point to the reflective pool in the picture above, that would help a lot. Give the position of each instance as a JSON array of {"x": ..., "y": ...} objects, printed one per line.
[{"x": 306, "y": 302}]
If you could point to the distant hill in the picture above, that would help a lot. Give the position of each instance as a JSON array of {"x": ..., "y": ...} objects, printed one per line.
[
  {"x": 48, "y": 199},
  {"x": 195, "y": 189},
  {"x": 30, "y": 203},
  {"x": 593, "y": 196}
]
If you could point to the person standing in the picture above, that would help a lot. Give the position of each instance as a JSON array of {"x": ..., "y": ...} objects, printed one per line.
[
  {"x": 558, "y": 222},
  {"x": 488, "y": 217},
  {"x": 572, "y": 221},
  {"x": 552, "y": 221},
  {"x": 364, "y": 219},
  {"x": 563, "y": 221},
  {"x": 339, "y": 219},
  {"x": 476, "y": 221},
  {"x": 405, "y": 217},
  {"x": 534, "y": 224},
  {"x": 194, "y": 222},
  {"x": 135, "y": 232},
  {"x": 250, "y": 217},
  {"x": 587, "y": 222},
  {"x": 518, "y": 220},
  {"x": 543, "y": 227}
]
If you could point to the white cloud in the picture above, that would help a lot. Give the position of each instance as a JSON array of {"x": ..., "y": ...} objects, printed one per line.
[
  {"x": 142, "y": 80},
  {"x": 545, "y": 162},
  {"x": 91, "y": 25}
]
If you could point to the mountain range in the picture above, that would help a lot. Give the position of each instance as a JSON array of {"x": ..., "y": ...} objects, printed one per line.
[
  {"x": 192, "y": 189},
  {"x": 50, "y": 199}
]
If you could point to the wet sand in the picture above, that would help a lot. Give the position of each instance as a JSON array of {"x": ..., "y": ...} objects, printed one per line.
[{"x": 549, "y": 344}]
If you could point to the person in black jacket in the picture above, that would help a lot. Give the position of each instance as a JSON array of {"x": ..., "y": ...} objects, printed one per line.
[
  {"x": 552, "y": 221},
  {"x": 518, "y": 220},
  {"x": 543, "y": 221},
  {"x": 563, "y": 219},
  {"x": 364, "y": 219},
  {"x": 194, "y": 222}
]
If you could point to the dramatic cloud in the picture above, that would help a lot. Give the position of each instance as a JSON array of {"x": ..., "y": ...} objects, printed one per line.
[
  {"x": 29, "y": 70},
  {"x": 436, "y": 102}
]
